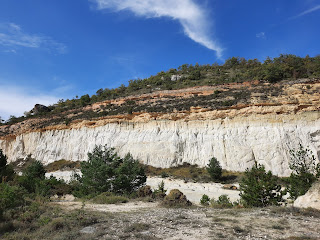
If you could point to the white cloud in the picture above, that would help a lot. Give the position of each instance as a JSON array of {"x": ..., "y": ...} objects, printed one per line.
[
  {"x": 193, "y": 18},
  {"x": 12, "y": 36},
  {"x": 261, "y": 35},
  {"x": 16, "y": 100},
  {"x": 315, "y": 8}
]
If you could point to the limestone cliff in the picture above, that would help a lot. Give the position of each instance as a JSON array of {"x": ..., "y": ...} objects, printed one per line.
[
  {"x": 236, "y": 136},
  {"x": 311, "y": 199}
]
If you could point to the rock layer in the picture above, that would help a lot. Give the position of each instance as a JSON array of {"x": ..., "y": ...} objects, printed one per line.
[
  {"x": 311, "y": 199},
  {"x": 236, "y": 142}
]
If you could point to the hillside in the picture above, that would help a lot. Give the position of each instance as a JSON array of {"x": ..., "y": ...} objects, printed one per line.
[
  {"x": 237, "y": 122},
  {"x": 196, "y": 103},
  {"x": 185, "y": 115},
  {"x": 219, "y": 85}
]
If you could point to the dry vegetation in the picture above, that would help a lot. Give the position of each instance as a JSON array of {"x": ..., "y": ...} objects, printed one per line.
[
  {"x": 62, "y": 165},
  {"x": 189, "y": 172},
  {"x": 205, "y": 102},
  {"x": 49, "y": 221}
]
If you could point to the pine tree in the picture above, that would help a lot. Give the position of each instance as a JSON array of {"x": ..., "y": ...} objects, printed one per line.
[
  {"x": 305, "y": 171},
  {"x": 105, "y": 171},
  {"x": 214, "y": 169},
  {"x": 260, "y": 188}
]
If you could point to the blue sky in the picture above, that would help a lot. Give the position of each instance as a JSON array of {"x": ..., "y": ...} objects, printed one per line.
[{"x": 57, "y": 49}]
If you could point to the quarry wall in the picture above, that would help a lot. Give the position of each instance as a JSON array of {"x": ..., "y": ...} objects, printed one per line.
[{"x": 236, "y": 142}]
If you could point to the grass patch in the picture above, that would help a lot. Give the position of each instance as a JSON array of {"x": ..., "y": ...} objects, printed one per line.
[
  {"x": 185, "y": 171},
  {"x": 109, "y": 198},
  {"x": 20, "y": 164},
  {"x": 190, "y": 172},
  {"x": 306, "y": 212},
  {"x": 137, "y": 227},
  {"x": 62, "y": 165},
  {"x": 216, "y": 219},
  {"x": 39, "y": 220},
  {"x": 231, "y": 176}
]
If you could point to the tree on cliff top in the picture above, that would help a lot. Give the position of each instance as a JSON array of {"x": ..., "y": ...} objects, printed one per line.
[{"x": 105, "y": 171}]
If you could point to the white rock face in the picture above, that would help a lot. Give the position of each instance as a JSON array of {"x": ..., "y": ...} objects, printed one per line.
[
  {"x": 236, "y": 143},
  {"x": 311, "y": 199},
  {"x": 194, "y": 191},
  {"x": 175, "y": 77}
]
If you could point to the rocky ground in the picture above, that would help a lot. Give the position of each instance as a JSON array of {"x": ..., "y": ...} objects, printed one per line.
[{"x": 143, "y": 220}]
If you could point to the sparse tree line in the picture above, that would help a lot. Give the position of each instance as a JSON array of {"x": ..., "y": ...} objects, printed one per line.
[
  {"x": 106, "y": 177},
  {"x": 260, "y": 188},
  {"x": 235, "y": 69}
]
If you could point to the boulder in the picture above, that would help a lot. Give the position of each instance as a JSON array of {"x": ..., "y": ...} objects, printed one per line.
[
  {"x": 175, "y": 77},
  {"x": 176, "y": 199},
  {"x": 230, "y": 186},
  {"x": 145, "y": 191},
  {"x": 311, "y": 199},
  {"x": 39, "y": 108}
]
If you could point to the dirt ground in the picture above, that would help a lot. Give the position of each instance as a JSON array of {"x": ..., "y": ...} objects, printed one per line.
[{"x": 148, "y": 220}]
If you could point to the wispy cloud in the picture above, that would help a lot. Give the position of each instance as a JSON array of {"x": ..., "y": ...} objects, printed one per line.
[
  {"x": 261, "y": 35},
  {"x": 315, "y": 8},
  {"x": 15, "y": 100},
  {"x": 193, "y": 18},
  {"x": 12, "y": 36}
]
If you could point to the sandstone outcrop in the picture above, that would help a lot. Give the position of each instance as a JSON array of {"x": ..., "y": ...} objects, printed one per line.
[
  {"x": 39, "y": 108},
  {"x": 311, "y": 199}
]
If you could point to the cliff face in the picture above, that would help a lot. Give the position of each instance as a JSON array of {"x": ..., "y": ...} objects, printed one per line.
[
  {"x": 235, "y": 142},
  {"x": 236, "y": 136}
]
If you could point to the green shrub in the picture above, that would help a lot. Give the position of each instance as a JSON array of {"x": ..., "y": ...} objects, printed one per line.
[
  {"x": 160, "y": 193},
  {"x": 260, "y": 188},
  {"x": 305, "y": 171},
  {"x": 298, "y": 185},
  {"x": 58, "y": 186},
  {"x": 33, "y": 179},
  {"x": 10, "y": 197},
  {"x": 214, "y": 169},
  {"x": 6, "y": 171},
  {"x": 205, "y": 200},
  {"x": 106, "y": 172},
  {"x": 273, "y": 73},
  {"x": 35, "y": 170},
  {"x": 129, "y": 176},
  {"x": 164, "y": 175},
  {"x": 222, "y": 202},
  {"x": 62, "y": 165}
]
